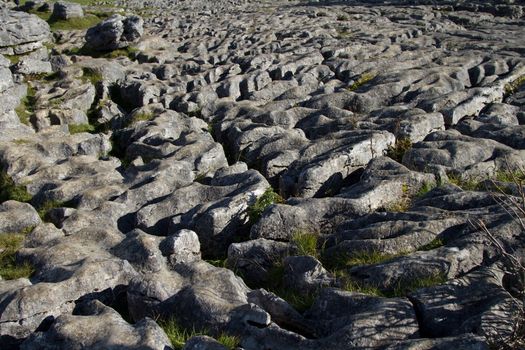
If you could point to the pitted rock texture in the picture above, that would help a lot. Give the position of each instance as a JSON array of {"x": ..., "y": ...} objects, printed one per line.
[{"x": 293, "y": 175}]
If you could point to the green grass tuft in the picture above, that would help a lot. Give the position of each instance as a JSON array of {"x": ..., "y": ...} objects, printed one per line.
[
  {"x": 275, "y": 284},
  {"x": 179, "y": 335},
  {"x": 44, "y": 208},
  {"x": 229, "y": 341},
  {"x": 434, "y": 244},
  {"x": 91, "y": 75},
  {"x": 406, "y": 287},
  {"x": 78, "y": 128},
  {"x": 516, "y": 177},
  {"x": 10, "y": 191},
  {"x": 10, "y": 269},
  {"x": 351, "y": 285},
  {"x": 306, "y": 243},
  {"x": 514, "y": 86},
  {"x": 467, "y": 184},
  {"x": 268, "y": 198},
  {"x": 424, "y": 189},
  {"x": 141, "y": 117},
  {"x": 362, "y": 80},
  {"x": 343, "y": 261},
  {"x": 26, "y": 108},
  {"x": 397, "y": 151}
]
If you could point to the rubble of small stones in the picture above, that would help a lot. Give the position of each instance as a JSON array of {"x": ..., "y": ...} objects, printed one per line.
[{"x": 292, "y": 175}]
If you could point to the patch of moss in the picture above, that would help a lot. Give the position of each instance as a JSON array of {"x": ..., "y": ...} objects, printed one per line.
[{"x": 268, "y": 198}]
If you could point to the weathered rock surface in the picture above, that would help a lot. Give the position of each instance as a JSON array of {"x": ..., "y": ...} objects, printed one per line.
[
  {"x": 16, "y": 38},
  {"x": 67, "y": 10},
  {"x": 392, "y": 130},
  {"x": 115, "y": 32},
  {"x": 98, "y": 327}
]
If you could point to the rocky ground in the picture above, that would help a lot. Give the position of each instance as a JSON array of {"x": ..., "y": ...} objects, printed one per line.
[{"x": 262, "y": 175}]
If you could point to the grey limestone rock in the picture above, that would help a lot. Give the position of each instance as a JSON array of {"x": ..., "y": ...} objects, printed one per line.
[
  {"x": 114, "y": 33},
  {"x": 16, "y": 217},
  {"x": 67, "y": 10},
  {"x": 18, "y": 39},
  {"x": 99, "y": 327}
]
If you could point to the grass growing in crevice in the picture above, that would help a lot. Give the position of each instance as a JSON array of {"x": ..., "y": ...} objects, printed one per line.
[
  {"x": 434, "y": 244},
  {"x": 369, "y": 258},
  {"x": 466, "y": 183},
  {"x": 141, "y": 117},
  {"x": 179, "y": 335},
  {"x": 406, "y": 287},
  {"x": 129, "y": 52},
  {"x": 306, "y": 243},
  {"x": 91, "y": 75},
  {"x": 44, "y": 208},
  {"x": 362, "y": 80},
  {"x": 268, "y": 198},
  {"x": 352, "y": 285},
  {"x": 275, "y": 284},
  {"x": 399, "y": 149},
  {"x": 26, "y": 108},
  {"x": 403, "y": 203},
  {"x": 513, "y": 86},
  {"x": 11, "y": 191},
  {"x": 402, "y": 288},
  {"x": 10, "y": 269},
  {"x": 424, "y": 189},
  {"x": 218, "y": 262},
  {"x": 78, "y": 128}
]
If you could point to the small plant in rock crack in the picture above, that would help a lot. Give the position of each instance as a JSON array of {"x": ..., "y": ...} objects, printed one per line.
[
  {"x": 268, "y": 198},
  {"x": 305, "y": 242},
  {"x": 11, "y": 191},
  {"x": 179, "y": 335},
  {"x": 10, "y": 268},
  {"x": 513, "y": 262},
  {"x": 397, "y": 151}
]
